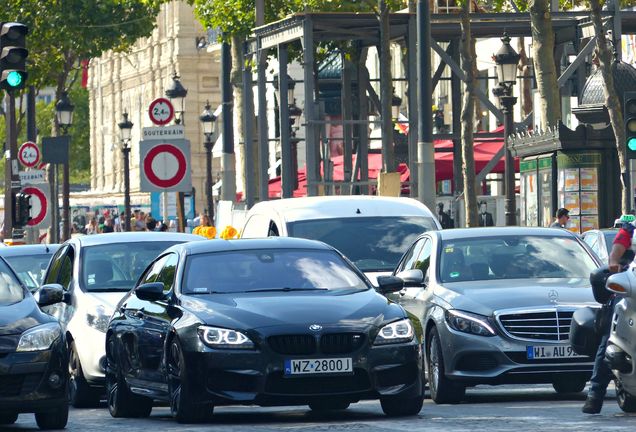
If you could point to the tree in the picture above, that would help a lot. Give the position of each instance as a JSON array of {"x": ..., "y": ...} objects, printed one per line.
[
  {"x": 607, "y": 64},
  {"x": 469, "y": 65}
]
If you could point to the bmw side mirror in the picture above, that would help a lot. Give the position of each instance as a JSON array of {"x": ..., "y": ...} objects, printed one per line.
[
  {"x": 49, "y": 294},
  {"x": 150, "y": 291},
  {"x": 389, "y": 284},
  {"x": 412, "y": 278}
]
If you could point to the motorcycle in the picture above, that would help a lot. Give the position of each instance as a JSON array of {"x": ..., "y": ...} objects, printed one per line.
[{"x": 621, "y": 349}]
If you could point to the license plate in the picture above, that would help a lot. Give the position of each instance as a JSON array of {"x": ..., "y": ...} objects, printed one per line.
[
  {"x": 318, "y": 366},
  {"x": 550, "y": 351}
]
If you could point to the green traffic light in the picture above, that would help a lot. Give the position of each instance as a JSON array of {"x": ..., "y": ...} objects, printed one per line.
[
  {"x": 631, "y": 144},
  {"x": 14, "y": 79}
]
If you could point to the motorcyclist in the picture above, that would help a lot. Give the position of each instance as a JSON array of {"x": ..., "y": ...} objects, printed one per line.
[{"x": 602, "y": 374}]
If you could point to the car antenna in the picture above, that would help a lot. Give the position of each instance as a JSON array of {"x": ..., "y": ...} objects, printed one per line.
[
  {"x": 358, "y": 211},
  {"x": 46, "y": 247}
]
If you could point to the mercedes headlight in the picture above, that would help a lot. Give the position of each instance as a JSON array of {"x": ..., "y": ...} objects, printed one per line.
[
  {"x": 39, "y": 338},
  {"x": 469, "y": 323},
  {"x": 396, "y": 332},
  {"x": 216, "y": 337},
  {"x": 99, "y": 319}
]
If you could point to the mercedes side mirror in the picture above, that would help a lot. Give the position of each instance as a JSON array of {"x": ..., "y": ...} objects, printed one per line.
[
  {"x": 49, "y": 294},
  {"x": 621, "y": 283},
  {"x": 389, "y": 284},
  {"x": 150, "y": 291},
  {"x": 412, "y": 278}
]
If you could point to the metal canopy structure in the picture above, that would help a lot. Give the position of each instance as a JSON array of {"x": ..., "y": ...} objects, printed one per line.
[{"x": 363, "y": 29}]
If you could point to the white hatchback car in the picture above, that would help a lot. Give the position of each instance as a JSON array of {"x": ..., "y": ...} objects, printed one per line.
[{"x": 372, "y": 231}]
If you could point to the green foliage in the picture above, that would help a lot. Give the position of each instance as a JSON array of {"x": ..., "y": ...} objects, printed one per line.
[{"x": 237, "y": 17}]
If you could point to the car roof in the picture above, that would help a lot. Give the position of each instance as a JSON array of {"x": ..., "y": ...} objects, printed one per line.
[
  {"x": 35, "y": 249},
  {"x": 461, "y": 233},
  {"x": 327, "y": 207},
  {"x": 125, "y": 237},
  {"x": 218, "y": 245}
]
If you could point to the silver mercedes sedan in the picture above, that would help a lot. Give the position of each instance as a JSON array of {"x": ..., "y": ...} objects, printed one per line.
[{"x": 495, "y": 306}]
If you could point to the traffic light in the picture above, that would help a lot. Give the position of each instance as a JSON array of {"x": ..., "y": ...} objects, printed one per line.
[
  {"x": 22, "y": 209},
  {"x": 13, "y": 55},
  {"x": 629, "y": 113}
]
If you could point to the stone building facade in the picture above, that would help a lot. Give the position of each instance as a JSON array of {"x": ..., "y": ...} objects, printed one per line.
[{"x": 130, "y": 81}]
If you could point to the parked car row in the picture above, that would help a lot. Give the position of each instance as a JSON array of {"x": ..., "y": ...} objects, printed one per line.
[{"x": 370, "y": 302}]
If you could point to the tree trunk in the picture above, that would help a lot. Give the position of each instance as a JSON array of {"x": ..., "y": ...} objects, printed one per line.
[
  {"x": 386, "y": 90},
  {"x": 544, "y": 66},
  {"x": 469, "y": 65},
  {"x": 236, "y": 77},
  {"x": 612, "y": 100},
  {"x": 526, "y": 82}
]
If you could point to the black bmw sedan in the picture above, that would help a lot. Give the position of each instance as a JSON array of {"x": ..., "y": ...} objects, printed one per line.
[
  {"x": 33, "y": 359},
  {"x": 278, "y": 321}
]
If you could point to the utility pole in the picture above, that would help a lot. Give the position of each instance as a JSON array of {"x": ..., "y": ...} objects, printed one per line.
[
  {"x": 32, "y": 233},
  {"x": 11, "y": 166},
  {"x": 425, "y": 150},
  {"x": 228, "y": 159}
]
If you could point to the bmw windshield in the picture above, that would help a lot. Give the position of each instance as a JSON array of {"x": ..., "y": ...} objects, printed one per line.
[
  {"x": 269, "y": 270},
  {"x": 373, "y": 244},
  {"x": 117, "y": 266},
  {"x": 513, "y": 257}
]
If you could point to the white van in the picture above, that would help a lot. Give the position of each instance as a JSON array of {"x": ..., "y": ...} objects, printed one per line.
[{"x": 372, "y": 231}]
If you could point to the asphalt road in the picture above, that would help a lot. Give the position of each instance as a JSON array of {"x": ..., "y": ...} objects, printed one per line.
[{"x": 492, "y": 409}]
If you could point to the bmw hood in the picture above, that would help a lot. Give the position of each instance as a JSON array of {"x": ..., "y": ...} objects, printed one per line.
[
  {"x": 486, "y": 297},
  {"x": 326, "y": 308}
]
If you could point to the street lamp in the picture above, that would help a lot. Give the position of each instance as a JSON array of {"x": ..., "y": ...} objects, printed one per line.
[
  {"x": 177, "y": 93},
  {"x": 125, "y": 128},
  {"x": 507, "y": 60},
  {"x": 64, "y": 114},
  {"x": 210, "y": 126},
  {"x": 294, "y": 123}
]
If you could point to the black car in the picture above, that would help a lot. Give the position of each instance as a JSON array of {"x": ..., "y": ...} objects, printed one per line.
[
  {"x": 279, "y": 321},
  {"x": 29, "y": 262},
  {"x": 33, "y": 358}
]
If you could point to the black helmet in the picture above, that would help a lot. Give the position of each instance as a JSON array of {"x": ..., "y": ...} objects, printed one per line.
[{"x": 598, "y": 278}]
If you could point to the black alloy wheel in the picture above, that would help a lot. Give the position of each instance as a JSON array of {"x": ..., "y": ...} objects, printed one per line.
[
  {"x": 443, "y": 390},
  {"x": 121, "y": 401},
  {"x": 183, "y": 405},
  {"x": 80, "y": 394},
  {"x": 626, "y": 401},
  {"x": 568, "y": 384},
  {"x": 8, "y": 418},
  {"x": 54, "y": 419}
]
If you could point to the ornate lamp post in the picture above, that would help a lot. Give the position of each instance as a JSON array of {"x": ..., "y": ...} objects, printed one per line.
[
  {"x": 177, "y": 93},
  {"x": 125, "y": 128},
  {"x": 507, "y": 60},
  {"x": 210, "y": 130},
  {"x": 64, "y": 113}
]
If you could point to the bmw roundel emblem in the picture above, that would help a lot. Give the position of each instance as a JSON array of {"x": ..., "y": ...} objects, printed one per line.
[{"x": 315, "y": 327}]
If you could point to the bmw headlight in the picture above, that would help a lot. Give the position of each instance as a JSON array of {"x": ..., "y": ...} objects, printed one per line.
[
  {"x": 469, "y": 323},
  {"x": 39, "y": 338},
  {"x": 216, "y": 337},
  {"x": 98, "y": 319},
  {"x": 396, "y": 332}
]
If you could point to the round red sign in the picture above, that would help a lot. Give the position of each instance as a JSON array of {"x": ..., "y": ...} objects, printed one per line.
[
  {"x": 29, "y": 154},
  {"x": 165, "y": 166},
  {"x": 38, "y": 203},
  {"x": 161, "y": 111}
]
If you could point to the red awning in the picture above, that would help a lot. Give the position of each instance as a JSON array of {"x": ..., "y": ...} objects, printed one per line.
[{"x": 485, "y": 150}]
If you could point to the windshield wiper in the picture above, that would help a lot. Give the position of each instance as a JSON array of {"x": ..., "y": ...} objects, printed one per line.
[{"x": 286, "y": 289}]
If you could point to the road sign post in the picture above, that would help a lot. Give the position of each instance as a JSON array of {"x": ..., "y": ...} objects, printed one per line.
[
  {"x": 161, "y": 111},
  {"x": 29, "y": 154},
  {"x": 165, "y": 166}
]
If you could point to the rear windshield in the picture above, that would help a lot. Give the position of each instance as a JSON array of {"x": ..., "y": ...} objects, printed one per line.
[
  {"x": 513, "y": 257},
  {"x": 116, "y": 267},
  {"x": 371, "y": 243},
  {"x": 30, "y": 268},
  {"x": 10, "y": 289},
  {"x": 269, "y": 269}
]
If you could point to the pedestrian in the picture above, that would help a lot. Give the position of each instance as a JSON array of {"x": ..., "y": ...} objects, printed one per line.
[
  {"x": 108, "y": 225},
  {"x": 91, "y": 227},
  {"x": 151, "y": 223},
  {"x": 620, "y": 257},
  {"x": 140, "y": 222},
  {"x": 562, "y": 216}
]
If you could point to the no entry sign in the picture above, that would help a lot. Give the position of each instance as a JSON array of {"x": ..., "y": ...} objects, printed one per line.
[
  {"x": 39, "y": 204},
  {"x": 165, "y": 166}
]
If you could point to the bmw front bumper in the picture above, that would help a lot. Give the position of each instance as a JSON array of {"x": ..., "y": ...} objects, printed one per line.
[{"x": 257, "y": 377}]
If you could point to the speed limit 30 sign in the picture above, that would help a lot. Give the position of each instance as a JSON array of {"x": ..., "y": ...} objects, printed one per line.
[{"x": 161, "y": 111}]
